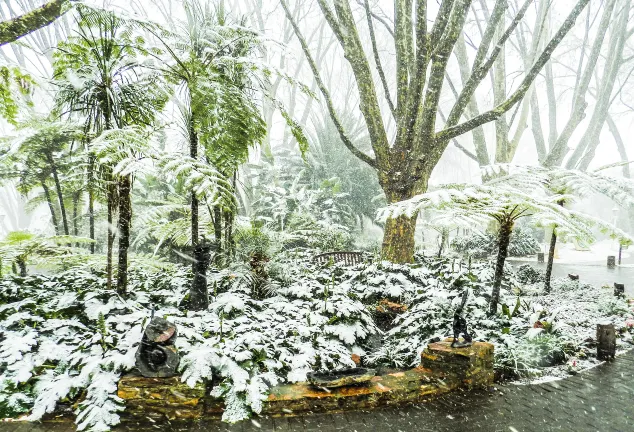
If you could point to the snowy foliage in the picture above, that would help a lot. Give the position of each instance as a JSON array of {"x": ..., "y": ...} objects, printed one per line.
[
  {"x": 65, "y": 335},
  {"x": 482, "y": 245}
]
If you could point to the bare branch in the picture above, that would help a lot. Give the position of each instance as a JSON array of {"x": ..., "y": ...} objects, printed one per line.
[
  {"x": 377, "y": 59},
  {"x": 331, "y": 109},
  {"x": 496, "y": 112}
]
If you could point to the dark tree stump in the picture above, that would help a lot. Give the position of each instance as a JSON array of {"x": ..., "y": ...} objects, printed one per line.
[
  {"x": 540, "y": 257},
  {"x": 606, "y": 341},
  {"x": 611, "y": 261},
  {"x": 619, "y": 289}
]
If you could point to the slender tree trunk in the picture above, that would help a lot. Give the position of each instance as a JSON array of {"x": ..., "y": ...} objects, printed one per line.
[
  {"x": 551, "y": 258},
  {"x": 49, "y": 200},
  {"x": 60, "y": 196},
  {"x": 76, "y": 197},
  {"x": 125, "y": 220},
  {"x": 443, "y": 240},
  {"x": 22, "y": 266},
  {"x": 193, "y": 153},
  {"x": 198, "y": 297},
  {"x": 504, "y": 238},
  {"x": 217, "y": 220},
  {"x": 91, "y": 202},
  {"x": 198, "y": 293},
  {"x": 112, "y": 199}
]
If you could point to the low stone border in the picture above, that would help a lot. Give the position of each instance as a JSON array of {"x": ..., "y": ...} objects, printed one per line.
[{"x": 442, "y": 369}]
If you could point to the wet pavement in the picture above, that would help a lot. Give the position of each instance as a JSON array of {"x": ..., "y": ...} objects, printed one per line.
[
  {"x": 593, "y": 273},
  {"x": 600, "y": 399}
]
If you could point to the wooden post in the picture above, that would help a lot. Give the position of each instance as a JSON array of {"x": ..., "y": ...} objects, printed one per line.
[
  {"x": 606, "y": 341},
  {"x": 540, "y": 257},
  {"x": 620, "y": 251},
  {"x": 619, "y": 289},
  {"x": 611, "y": 261}
]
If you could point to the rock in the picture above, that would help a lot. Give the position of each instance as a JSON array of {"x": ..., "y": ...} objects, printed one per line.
[
  {"x": 340, "y": 379},
  {"x": 356, "y": 358},
  {"x": 386, "y": 306},
  {"x": 472, "y": 366}
]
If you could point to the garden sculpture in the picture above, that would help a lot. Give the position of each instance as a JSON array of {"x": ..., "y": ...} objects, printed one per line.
[
  {"x": 157, "y": 356},
  {"x": 460, "y": 325}
]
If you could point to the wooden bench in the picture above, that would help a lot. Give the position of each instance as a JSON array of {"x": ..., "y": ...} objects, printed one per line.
[{"x": 347, "y": 258}]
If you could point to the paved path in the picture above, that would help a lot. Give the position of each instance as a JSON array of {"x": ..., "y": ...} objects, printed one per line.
[{"x": 601, "y": 399}]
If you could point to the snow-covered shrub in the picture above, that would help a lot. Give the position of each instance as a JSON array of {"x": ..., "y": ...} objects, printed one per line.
[
  {"x": 66, "y": 335},
  {"x": 433, "y": 292},
  {"x": 527, "y": 274},
  {"x": 526, "y": 355},
  {"x": 483, "y": 245}
]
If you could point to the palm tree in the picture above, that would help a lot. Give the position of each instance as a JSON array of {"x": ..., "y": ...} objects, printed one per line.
[
  {"x": 38, "y": 155},
  {"x": 569, "y": 185},
  {"x": 206, "y": 60},
  {"x": 500, "y": 201},
  {"x": 99, "y": 76}
]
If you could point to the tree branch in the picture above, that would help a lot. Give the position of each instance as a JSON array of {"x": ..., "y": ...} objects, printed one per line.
[
  {"x": 331, "y": 109},
  {"x": 480, "y": 66},
  {"x": 377, "y": 58},
  {"x": 496, "y": 112},
  {"x": 15, "y": 28},
  {"x": 560, "y": 148}
]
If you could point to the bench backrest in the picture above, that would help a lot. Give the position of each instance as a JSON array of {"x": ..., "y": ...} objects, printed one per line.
[{"x": 347, "y": 258}]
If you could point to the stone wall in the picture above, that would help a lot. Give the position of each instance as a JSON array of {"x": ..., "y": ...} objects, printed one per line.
[
  {"x": 160, "y": 398},
  {"x": 442, "y": 369}
]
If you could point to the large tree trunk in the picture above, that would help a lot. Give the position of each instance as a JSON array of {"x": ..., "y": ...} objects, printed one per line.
[
  {"x": 551, "y": 258},
  {"x": 125, "y": 220},
  {"x": 398, "y": 239},
  {"x": 49, "y": 200},
  {"x": 504, "y": 238}
]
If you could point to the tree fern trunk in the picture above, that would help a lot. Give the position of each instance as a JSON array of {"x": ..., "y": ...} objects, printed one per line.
[
  {"x": 551, "y": 257},
  {"x": 22, "y": 266},
  {"x": 125, "y": 221},
  {"x": 198, "y": 293},
  {"x": 504, "y": 238},
  {"x": 51, "y": 207}
]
